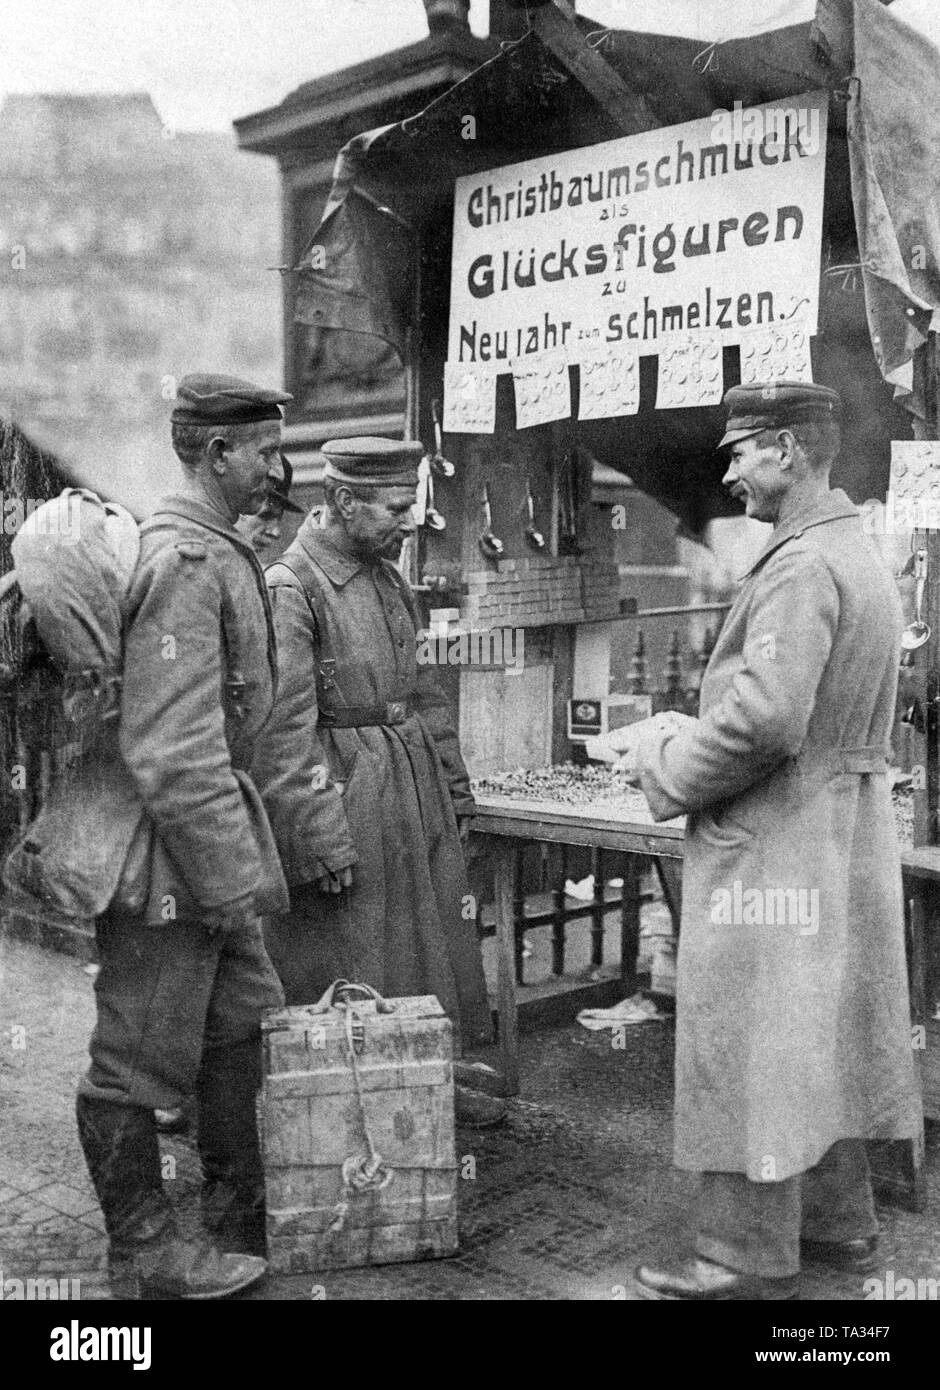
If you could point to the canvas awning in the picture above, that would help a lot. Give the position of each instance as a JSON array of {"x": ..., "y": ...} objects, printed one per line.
[
  {"x": 386, "y": 226},
  {"x": 893, "y": 58}
]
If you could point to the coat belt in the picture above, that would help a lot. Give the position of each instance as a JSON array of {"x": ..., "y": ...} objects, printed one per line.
[
  {"x": 362, "y": 716},
  {"x": 864, "y": 758}
]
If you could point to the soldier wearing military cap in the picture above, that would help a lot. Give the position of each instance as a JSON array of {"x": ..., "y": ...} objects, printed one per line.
[
  {"x": 792, "y": 1037},
  {"x": 360, "y": 767},
  {"x": 264, "y": 528},
  {"x": 184, "y": 974}
]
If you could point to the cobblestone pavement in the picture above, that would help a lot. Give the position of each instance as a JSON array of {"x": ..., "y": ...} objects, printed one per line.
[{"x": 567, "y": 1197}]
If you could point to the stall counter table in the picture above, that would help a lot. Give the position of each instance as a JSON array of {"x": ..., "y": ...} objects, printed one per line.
[{"x": 630, "y": 831}]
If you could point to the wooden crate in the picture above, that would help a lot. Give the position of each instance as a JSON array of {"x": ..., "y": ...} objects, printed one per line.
[{"x": 312, "y": 1126}]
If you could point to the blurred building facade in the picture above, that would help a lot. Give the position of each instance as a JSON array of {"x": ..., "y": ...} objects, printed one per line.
[{"x": 130, "y": 255}]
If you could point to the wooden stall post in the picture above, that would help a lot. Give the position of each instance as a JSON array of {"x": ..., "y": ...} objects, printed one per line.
[{"x": 505, "y": 883}]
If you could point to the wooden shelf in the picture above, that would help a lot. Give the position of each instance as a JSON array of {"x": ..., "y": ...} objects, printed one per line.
[{"x": 922, "y": 863}]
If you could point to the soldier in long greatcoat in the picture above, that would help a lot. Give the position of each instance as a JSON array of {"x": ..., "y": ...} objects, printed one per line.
[
  {"x": 793, "y": 1041},
  {"x": 359, "y": 766}
]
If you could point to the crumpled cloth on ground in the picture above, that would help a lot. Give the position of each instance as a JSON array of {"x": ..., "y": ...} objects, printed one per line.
[{"x": 636, "y": 1009}]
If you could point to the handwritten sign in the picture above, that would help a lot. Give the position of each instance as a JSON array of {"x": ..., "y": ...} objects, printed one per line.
[
  {"x": 712, "y": 227},
  {"x": 543, "y": 389},
  {"x": 469, "y": 399},
  {"x": 690, "y": 372},
  {"x": 609, "y": 383}
]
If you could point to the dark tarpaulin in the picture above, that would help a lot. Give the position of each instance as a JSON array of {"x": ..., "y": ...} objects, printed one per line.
[
  {"x": 365, "y": 282},
  {"x": 894, "y": 147},
  {"x": 393, "y": 193}
]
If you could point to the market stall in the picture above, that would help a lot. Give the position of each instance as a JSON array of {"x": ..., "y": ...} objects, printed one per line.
[{"x": 443, "y": 232}]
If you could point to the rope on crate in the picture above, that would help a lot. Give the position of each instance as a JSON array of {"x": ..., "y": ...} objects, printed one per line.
[{"x": 361, "y": 1172}]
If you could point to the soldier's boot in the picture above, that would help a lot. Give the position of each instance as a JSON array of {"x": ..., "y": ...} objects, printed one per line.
[
  {"x": 227, "y": 1134},
  {"x": 147, "y": 1257}
]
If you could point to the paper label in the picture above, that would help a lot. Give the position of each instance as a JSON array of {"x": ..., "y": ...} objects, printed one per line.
[
  {"x": 914, "y": 494},
  {"x": 609, "y": 382},
  {"x": 690, "y": 372},
  {"x": 469, "y": 399},
  {"x": 776, "y": 354},
  {"x": 543, "y": 388}
]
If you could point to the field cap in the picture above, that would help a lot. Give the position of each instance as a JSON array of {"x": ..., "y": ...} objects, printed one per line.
[{"x": 769, "y": 405}]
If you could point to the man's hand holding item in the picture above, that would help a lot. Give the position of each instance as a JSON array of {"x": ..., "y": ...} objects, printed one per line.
[
  {"x": 334, "y": 882},
  {"x": 623, "y": 747}
]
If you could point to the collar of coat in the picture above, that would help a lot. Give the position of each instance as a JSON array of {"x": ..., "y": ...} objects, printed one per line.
[
  {"x": 205, "y": 515},
  {"x": 338, "y": 565},
  {"x": 834, "y": 507}
]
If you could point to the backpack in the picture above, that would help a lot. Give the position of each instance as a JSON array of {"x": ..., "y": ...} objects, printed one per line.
[
  {"x": 63, "y": 611},
  {"x": 62, "y": 615}
]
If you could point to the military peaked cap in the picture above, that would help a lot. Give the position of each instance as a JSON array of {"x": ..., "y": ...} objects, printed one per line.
[
  {"x": 279, "y": 488},
  {"x": 372, "y": 462},
  {"x": 206, "y": 399},
  {"x": 768, "y": 405}
]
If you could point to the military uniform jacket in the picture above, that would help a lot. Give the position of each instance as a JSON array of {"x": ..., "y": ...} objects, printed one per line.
[
  {"x": 383, "y": 796},
  {"x": 161, "y": 819},
  {"x": 792, "y": 1020}
]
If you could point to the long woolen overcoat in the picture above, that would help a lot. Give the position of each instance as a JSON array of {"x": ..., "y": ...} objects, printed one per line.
[
  {"x": 793, "y": 1027},
  {"x": 382, "y": 797}
]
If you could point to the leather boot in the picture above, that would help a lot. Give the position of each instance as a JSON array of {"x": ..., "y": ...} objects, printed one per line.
[
  {"x": 147, "y": 1258},
  {"x": 227, "y": 1135},
  {"x": 855, "y": 1256},
  {"x": 477, "y": 1110},
  {"x": 700, "y": 1280}
]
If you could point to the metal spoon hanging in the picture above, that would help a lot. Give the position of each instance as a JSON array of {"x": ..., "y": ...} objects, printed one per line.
[
  {"x": 490, "y": 545},
  {"x": 568, "y": 541},
  {"x": 532, "y": 535},
  {"x": 917, "y": 632},
  {"x": 439, "y": 464},
  {"x": 432, "y": 517}
]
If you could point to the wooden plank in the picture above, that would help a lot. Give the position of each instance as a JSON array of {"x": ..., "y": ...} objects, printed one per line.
[
  {"x": 505, "y": 873},
  {"x": 312, "y": 1221},
  {"x": 922, "y": 863},
  {"x": 628, "y": 839},
  {"x": 670, "y": 878},
  {"x": 898, "y": 1174},
  {"x": 635, "y": 816},
  {"x": 299, "y": 1197},
  {"x": 559, "y": 1001},
  {"x": 371, "y": 1245},
  {"x": 562, "y": 38},
  {"x": 333, "y": 1080},
  {"x": 630, "y": 908}
]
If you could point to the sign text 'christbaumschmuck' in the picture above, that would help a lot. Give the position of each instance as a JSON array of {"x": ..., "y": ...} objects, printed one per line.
[{"x": 712, "y": 227}]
